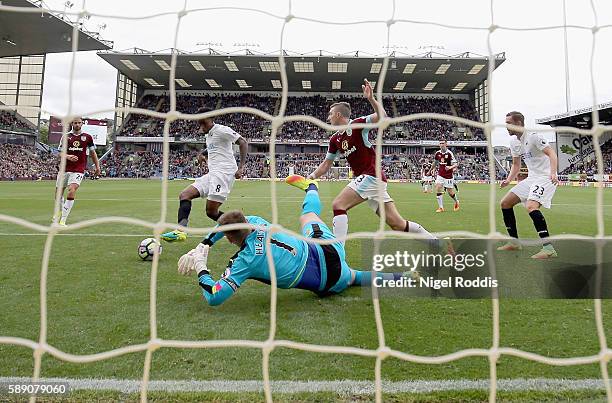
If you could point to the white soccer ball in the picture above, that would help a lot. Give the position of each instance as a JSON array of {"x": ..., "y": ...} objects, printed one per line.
[{"x": 147, "y": 248}]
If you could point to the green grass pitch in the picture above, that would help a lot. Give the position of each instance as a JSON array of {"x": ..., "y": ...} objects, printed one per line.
[{"x": 98, "y": 293}]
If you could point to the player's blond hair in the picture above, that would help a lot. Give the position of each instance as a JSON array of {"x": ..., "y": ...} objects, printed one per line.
[
  {"x": 232, "y": 217},
  {"x": 517, "y": 117},
  {"x": 343, "y": 107}
]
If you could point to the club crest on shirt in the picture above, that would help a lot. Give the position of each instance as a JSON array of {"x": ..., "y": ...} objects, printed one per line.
[{"x": 83, "y": 138}]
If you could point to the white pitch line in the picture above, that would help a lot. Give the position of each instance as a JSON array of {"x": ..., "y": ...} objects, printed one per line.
[
  {"x": 292, "y": 199},
  {"x": 340, "y": 387},
  {"x": 79, "y": 235}
]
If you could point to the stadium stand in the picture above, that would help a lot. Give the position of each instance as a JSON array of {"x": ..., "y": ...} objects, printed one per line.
[
  {"x": 590, "y": 167},
  {"x": 23, "y": 162},
  {"x": 317, "y": 106},
  {"x": 12, "y": 121},
  {"x": 145, "y": 164}
]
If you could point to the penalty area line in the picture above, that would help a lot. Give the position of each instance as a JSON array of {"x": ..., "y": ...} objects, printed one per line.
[{"x": 342, "y": 387}]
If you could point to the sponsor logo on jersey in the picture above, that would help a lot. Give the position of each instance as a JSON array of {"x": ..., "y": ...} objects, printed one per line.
[
  {"x": 75, "y": 146},
  {"x": 350, "y": 151},
  {"x": 344, "y": 145}
]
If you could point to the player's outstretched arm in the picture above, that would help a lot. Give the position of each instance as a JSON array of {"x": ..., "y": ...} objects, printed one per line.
[
  {"x": 322, "y": 169},
  {"x": 552, "y": 156},
  {"x": 94, "y": 159},
  {"x": 213, "y": 237},
  {"x": 244, "y": 147},
  {"x": 514, "y": 170},
  {"x": 368, "y": 93},
  {"x": 215, "y": 292}
]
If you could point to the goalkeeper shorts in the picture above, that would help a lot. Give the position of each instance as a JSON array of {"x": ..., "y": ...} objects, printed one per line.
[{"x": 326, "y": 271}]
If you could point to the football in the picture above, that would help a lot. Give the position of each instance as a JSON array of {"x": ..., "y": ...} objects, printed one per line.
[{"x": 147, "y": 248}]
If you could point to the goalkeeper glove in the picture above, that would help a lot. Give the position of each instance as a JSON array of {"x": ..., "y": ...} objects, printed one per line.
[{"x": 194, "y": 260}]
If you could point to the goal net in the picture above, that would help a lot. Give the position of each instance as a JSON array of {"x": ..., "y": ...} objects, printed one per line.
[
  {"x": 340, "y": 173},
  {"x": 40, "y": 347}
]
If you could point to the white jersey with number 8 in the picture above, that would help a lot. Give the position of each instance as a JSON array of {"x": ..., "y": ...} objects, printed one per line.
[{"x": 219, "y": 141}]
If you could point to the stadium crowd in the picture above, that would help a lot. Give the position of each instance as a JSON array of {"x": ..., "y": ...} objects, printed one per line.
[
  {"x": 145, "y": 164},
  {"x": 254, "y": 127},
  {"x": 22, "y": 162},
  {"x": 9, "y": 121},
  {"x": 124, "y": 164}
]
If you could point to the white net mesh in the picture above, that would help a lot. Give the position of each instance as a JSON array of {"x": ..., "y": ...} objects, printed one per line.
[{"x": 493, "y": 353}]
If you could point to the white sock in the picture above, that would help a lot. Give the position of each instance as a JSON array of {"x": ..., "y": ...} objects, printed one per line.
[
  {"x": 440, "y": 201},
  {"x": 66, "y": 208},
  {"x": 340, "y": 223},
  {"x": 417, "y": 228}
]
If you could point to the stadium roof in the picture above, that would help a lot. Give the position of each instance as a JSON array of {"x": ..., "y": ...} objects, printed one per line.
[
  {"x": 37, "y": 33},
  {"x": 426, "y": 73},
  {"x": 580, "y": 118}
]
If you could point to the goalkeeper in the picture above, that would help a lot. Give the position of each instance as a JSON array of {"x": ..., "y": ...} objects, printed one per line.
[{"x": 299, "y": 264}]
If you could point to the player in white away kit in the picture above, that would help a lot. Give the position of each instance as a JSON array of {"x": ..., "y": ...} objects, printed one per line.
[
  {"x": 78, "y": 145},
  {"x": 536, "y": 190},
  {"x": 217, "y": 184},
  {"x": 361, "y": 156}
]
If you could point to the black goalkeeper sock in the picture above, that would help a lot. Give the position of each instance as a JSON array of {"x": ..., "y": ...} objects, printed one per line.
[
  {"x": 183, "y": 212},
  {"x": 539, "y": 222},
  {"x": 510, "y": 221}
]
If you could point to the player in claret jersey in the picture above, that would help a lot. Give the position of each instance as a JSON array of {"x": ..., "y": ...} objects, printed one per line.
[
  {"x": 77, "y": 146},
  {"x": 426, "y": 178},
  {"x": 447, "y": 164},
  {"x": 355, "y": 145}
]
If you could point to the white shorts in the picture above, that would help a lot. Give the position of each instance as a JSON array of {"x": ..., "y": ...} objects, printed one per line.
[
  {"x": 448, "y": 183},
  {"x": 427, "y": 179},
  {"x": 541, "y": 190},
  {"x": 68, "y": 179},
  {"x": 215, "y": 186},
  {"x": 366, "y": 187}
]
